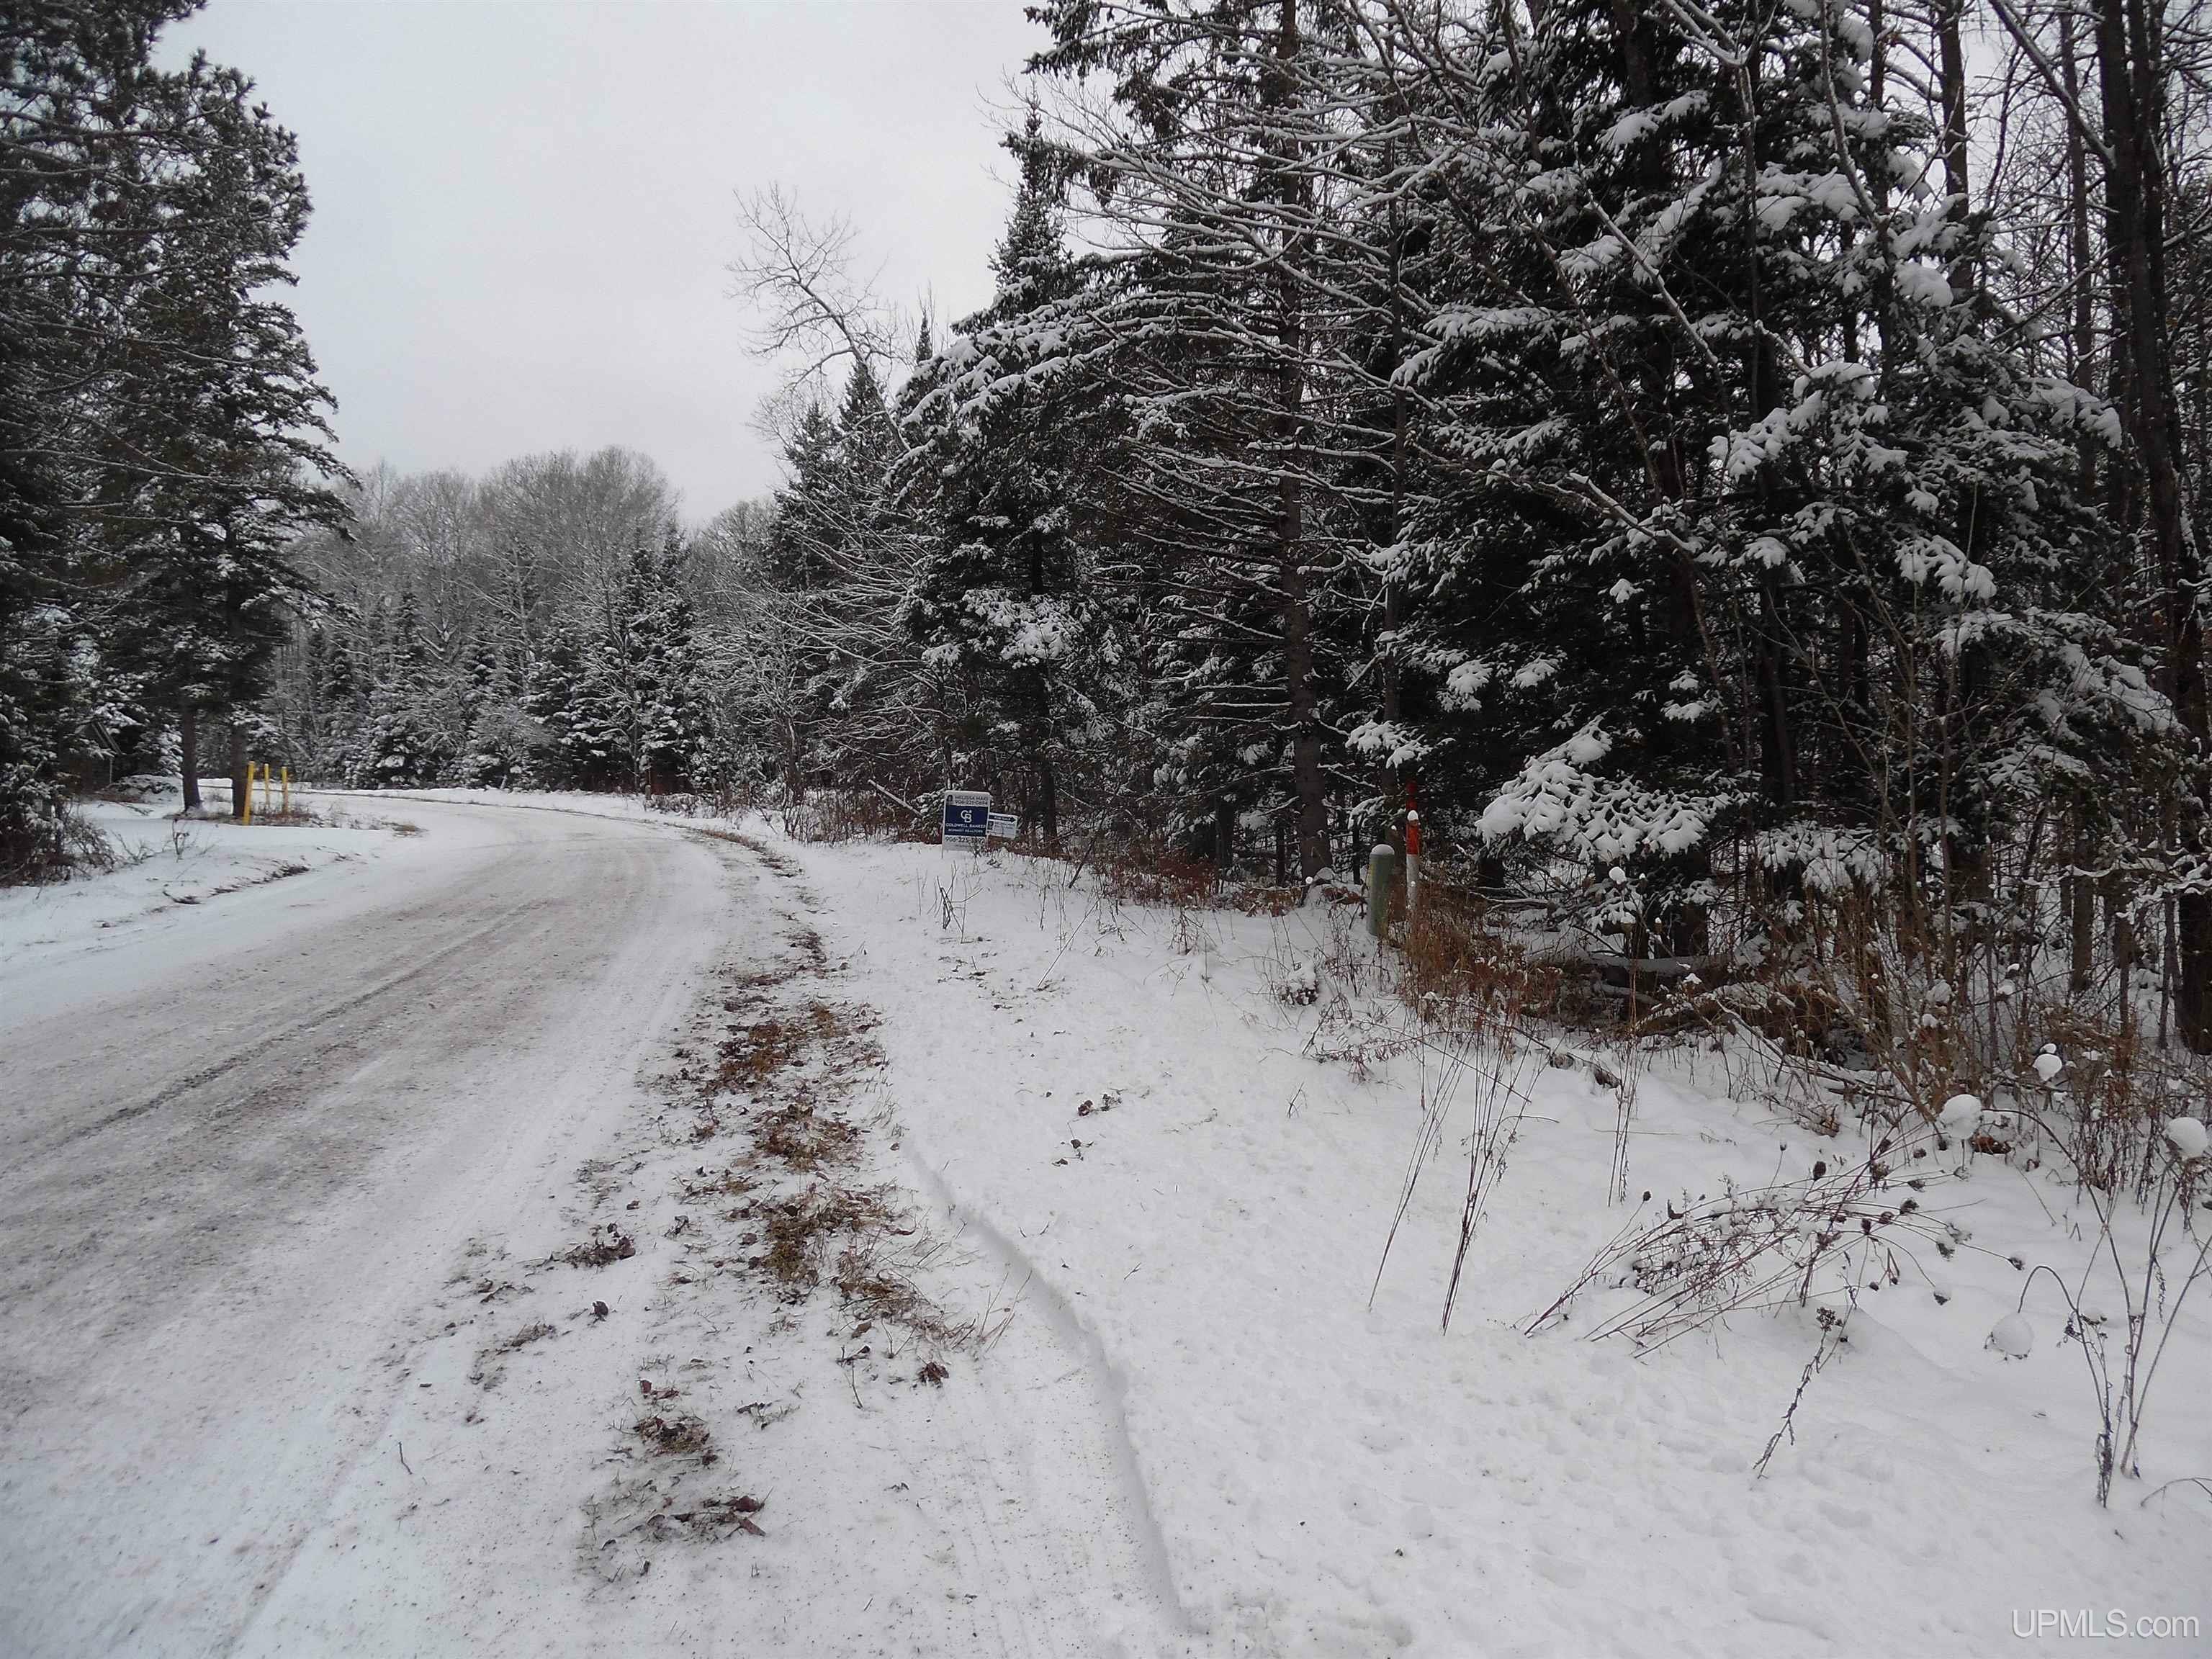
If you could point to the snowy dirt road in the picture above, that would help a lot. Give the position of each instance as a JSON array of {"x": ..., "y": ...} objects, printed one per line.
[
  {"x": 297, "y": 1357},
  {"x": 246, "y": 1143}
]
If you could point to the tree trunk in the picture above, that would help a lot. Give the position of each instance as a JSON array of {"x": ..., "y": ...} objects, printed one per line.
[
  {"x": 2082, "y": 893},
  {"x": 188, "y": 741},
  {"x": 2082, "y": 344},
  {"x": 1778, "y": 744},
  {"x": 1307, "y": 781},
  {"x": 1877, "y": 76},
  {"x": 1041, "y": 733},
  {"x": 1394, "y": 778},
  {"x": 1306, "y": 778},
  {"x": 2131, "y": 82},
  {"x": 1953, "y": 60},
  {"x": 242, "y": 789}
]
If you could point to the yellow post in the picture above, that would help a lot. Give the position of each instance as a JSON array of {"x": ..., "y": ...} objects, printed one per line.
[
  {"x": 248, "y": 819},
  {"x": 287, "y": 792}
]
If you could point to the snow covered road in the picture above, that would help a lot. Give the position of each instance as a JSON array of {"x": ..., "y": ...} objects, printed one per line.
[{"x": 247, "y": 1139}]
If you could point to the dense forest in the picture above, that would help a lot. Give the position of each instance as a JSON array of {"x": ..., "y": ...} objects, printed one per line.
[
  {"x": 163, "y": 439},
  {"x": 550, "y": 626},
  {"x": 1736, "y": 467}
]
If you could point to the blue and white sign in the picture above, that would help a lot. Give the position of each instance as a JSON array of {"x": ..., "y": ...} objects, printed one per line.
[
  {"x": 967, "y": 814},
  {"x": 1004, "y": 826}
]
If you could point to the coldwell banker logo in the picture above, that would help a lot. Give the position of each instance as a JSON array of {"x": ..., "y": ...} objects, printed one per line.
[{"x": 2105, "y": 1625}]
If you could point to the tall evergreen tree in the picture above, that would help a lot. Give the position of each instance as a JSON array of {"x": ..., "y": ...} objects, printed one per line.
[
  {"x": 1220, "y": 333},
  {"x": 162, "y": 433},
  {"x": 404, "y": 743},
  {"x": 1001, "y": 471}
]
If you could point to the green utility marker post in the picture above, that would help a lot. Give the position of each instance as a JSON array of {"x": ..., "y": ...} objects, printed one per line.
[{"x": 1382, "y": 872}]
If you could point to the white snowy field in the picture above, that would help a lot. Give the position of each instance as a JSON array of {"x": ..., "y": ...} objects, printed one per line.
[{"x": 1207, "y": 1430}]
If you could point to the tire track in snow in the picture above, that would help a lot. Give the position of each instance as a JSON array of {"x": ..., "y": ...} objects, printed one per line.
[
  {"x": 1047, "y": 1502},
  {"x": 1106, "y": 1386}
]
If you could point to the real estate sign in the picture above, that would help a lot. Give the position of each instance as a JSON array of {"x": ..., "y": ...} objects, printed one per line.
[{"x": 967, "y": 814}]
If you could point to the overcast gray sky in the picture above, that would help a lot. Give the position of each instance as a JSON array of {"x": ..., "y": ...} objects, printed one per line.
[{"x": 523, "y": 210}]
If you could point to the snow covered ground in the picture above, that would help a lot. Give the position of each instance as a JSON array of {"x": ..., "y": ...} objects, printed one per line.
[
  {"x": 1207, "y": 1430},
  {"x": 1332, "y": 1477},
  {"x": 164, "y": 862}
]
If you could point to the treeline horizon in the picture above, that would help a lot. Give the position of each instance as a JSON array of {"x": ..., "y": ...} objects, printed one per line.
[
  {"x": 551, "y": 623},
  {"x": 1742, "y": 471}
]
